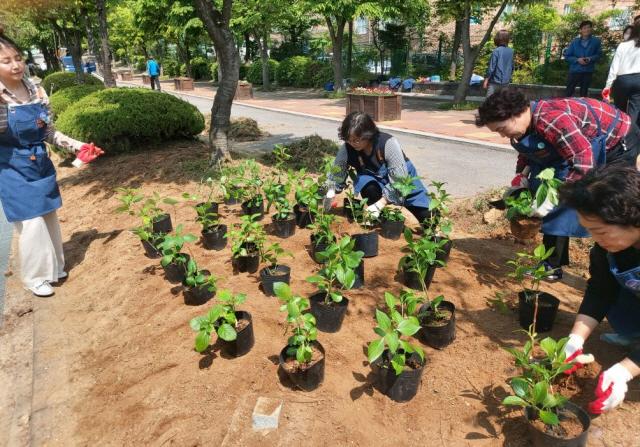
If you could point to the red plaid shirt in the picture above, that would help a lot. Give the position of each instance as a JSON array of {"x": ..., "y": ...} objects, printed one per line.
[{"x": 569, "y": 126}]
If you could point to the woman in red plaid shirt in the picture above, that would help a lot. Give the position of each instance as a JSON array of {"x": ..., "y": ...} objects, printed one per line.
[{"x": 571, "y": 135}]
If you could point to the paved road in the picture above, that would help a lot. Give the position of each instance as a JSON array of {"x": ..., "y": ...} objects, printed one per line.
[{"x": 466, "y": 168}]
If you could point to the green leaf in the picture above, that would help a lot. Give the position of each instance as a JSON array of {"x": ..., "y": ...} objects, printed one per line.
[
  {"x": 520, "y": 386},
  {"x": 392, "y": 341},
  {"x": 227, "y": 332},
  {"x": 539, "y": 251},
  {"x": 282, "y": 290},
  {"x": 390, "y": 299},
  {"x": 548, "y": 345},
  {"x": 549, "y": 417},
  {"x": 514, "y": 400},
  {"x": 540, "y": 392},
  {"x": 375, "y": 350},
  {"x": 196, "y": 323},
  {"x": 383, "y": 320},
  {"x": 409, "y": 326},
  {"x": 202, "y": 341}
]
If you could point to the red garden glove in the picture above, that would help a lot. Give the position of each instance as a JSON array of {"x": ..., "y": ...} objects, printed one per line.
[
  {"x": 87, "y": 153},
  {"x": 520, "y": 181},
  {"x": 611, "y": 389},
  {"x": 606, "y": 94},
  {"x": 573, "y": 352}
]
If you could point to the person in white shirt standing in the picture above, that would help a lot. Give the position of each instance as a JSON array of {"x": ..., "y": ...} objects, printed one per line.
[{"x": 624, "y": 76}]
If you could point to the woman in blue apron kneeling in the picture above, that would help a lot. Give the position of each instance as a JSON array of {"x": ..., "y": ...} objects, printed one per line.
[
  {"x": 28, "y": 189},
  {"x": 571, "y": 135},
  {"x": 608, "y": 204},
  {"x": 378, "y": 160}
]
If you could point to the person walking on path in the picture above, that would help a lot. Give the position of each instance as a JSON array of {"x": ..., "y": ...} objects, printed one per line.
[
  {"x": 608, "y": 205},
  {"x": 28, "y": 188},
  {"x": 624, "y": 76},
  {"x": 500, "y": 65},
  {"x": 582, "y": 55},
  {"x": 154, "y": 73},
  {"x": 571, "y": 135},
  {"x": 378, "y": 161}
]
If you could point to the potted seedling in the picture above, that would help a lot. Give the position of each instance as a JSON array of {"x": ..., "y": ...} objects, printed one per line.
[
  {"x": 232, "y": 184},
  {"x": 284, "y": 220},
  {"x": 200, "y": 285},
  {"x": 438, "y": 320},
  {"x": 521, "y": 205},
  {"x": 329, "y": 305},
  {"x": 419, "y": 265},
  {"x": 128, "y": 198},
  {"x": 302, "y": 359},
  {"x": 367, "y": 241},
  {"x": 535, "y": 307},
  {"x": 213, "y": 232},
  {"x": 254, "y": 202},
  {"x": 208, "y": 202},
  {"x": 397, "y": 363},
  {"x": 274, "y": 272},
  {"x": 552, "y": 419},
  {"x": 439, "y": 226},
  {"x": 391, "y": 218},
  {"x": 234, "y": 327},
  {"x": 321, "y": 233},
  {"x": 161, "y": 221},
  {"x": 247, "y": 240},
  {"x": 173, "y": 261},
  {"x": 307, "y": 198}
]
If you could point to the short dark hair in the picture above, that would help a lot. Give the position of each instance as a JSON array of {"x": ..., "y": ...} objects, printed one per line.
[
  {"x": 5, "y": 42},
  {"x": 502, "y": 38},
  {"x": 502, "y": 105},
  {"x": 611, "y": 193},
  {"x": 360, "y": 125},
  {"x": 585, "y": 23},
  {"x": 636, "y": 18}
]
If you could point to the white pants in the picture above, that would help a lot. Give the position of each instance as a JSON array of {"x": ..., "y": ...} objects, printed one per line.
[{"x": 40, "y": 249}]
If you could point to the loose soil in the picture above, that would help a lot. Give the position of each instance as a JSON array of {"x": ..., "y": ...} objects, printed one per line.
[
  {"x": 440, "y": 322},
  {"x": 114, "y": 362},
  {"x": 569, "y": 427},
  {"x": 242, "y": 323},
  {"x": 292, "y": 366}
]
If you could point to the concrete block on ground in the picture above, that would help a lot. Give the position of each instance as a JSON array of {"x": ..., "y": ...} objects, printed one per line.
[{"x": 266, "y": 413}]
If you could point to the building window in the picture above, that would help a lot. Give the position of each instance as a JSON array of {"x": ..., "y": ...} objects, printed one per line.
[
  {"x": 567, "y": 9},
  {"x": 361, "y": 26}
]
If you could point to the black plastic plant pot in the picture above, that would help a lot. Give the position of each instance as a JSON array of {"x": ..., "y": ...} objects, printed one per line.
[
  {"x": 150, "y": 251},
  {"x": 213, "y": 207},
  {"x": 162, "y": 224},
  {"x": 244, "y": 341},
  {"x": 368, "y": 243},
  {"x": 329, "y": 317},
  {"x": 197, "y": 296},
  {"x": 547, "y": 310},
  {"x": 391, "y": 229},
  {"x": 446, "y": 250},
  {"x": 213, "y": 238},
  {"x": 305, "y": 378},
  {"x": 542, "y": 439},
  {"x": 249, "y": 209},
  {"x": 359, "y": 271},
  {"x": 435, "y": 334},
  {"x": 317, "y": 248},
  {"x": 270, "y": 276},
  {"x": 346, "y": 208},
  {"x": 175, "y": 272},
  {"x": 231, "y": 200},
  {"x": 399, "y": 388},
  {"x": 412, "y": 280},
  {"x": 246, "y": 264},
  {"x": 303, "y": 216},
  {"x": 284, "y": 228}
]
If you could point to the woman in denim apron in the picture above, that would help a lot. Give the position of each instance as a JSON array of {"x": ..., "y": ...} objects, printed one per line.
[
  {"x": 608, "y": 204},
  {"x": 29, "y": 191}
]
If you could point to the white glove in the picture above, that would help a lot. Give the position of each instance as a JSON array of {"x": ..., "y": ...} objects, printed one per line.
[
  {"x": 328, "y": 199},
  {"x": 543, "y": 209},
  {"x": 611, "y": 390},
  {"x": 374, "y": 210},
  {"x": 573, "y": 351}
]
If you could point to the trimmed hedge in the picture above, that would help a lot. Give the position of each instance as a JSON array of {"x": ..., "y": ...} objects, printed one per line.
[
  {"x": 62, "y": 99},
  {"x": 294, "y": 71},
  {"x": 122, "y": 119},
  {"x": 244, "y": 68},
  {"x": 254, "y": 73},
  {"x": 61, "y": 80}
]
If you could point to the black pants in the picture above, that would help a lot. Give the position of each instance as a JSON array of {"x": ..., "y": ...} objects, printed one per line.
[
  {"x": 578, "y": 79},
  {"x": 560, "y": 255},
  {"x": 155, "y": 80},
  {"x": 372, "y": 192},
  {"x": 626, "y": 95}
]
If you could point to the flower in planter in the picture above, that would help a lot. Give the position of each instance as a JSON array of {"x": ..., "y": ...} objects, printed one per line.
[
  {"x": 221, "y": 319},
  {"x": 376, "y": 91}
]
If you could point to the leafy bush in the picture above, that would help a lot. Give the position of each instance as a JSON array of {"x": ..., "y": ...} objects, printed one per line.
[
  {"x": 318, "y": 74},
  {"x": 307, "y": 153},
  {"x": 121, "y": 119},
  {"x": 200, "y": 68},
  {"x": 254, "y": 73},
  {"x": 139, "y": 63},
  {"x": 61, "y": 80},
  {"x": 62, "y": 99},
  {"x": 244, "y": 68},
  {"x": 213, "y": 68},
  {"x": 293, "y": 71},
  {"x": 171, "y": 68}
]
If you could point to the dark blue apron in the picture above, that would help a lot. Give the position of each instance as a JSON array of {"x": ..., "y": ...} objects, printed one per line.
[
  {"x": 367, "y": 171},
  {"x": 624, "y": 316},
  {"x": 28, "y": 186},
  {"x": 541, "y": 154}
]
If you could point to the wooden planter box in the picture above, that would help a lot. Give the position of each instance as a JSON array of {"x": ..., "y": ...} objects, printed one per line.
[
  {"x": 183, "y": 83},
  {"x": 126, "y": 76},
  {"x": 244, "y": 91},
  {"x": 380, "y": 108},
  {"x": 146, "y": 79}
]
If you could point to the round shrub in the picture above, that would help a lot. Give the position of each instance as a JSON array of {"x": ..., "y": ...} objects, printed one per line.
[
  {"x": 62, "y": 99},
  {"x": 293, "y": 71},
  {"x": 123, "y": 119},
  {"x": 61, "y": 80},
  {"x": 318, "y": 74},
  {"x": 171, "y": 68},
  {"x": 254, "y": 74},
  {"x": 200, "y": 68}
]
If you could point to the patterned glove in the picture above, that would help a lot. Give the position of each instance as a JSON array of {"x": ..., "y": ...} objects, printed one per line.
[
  {"x": 611, "y": 389},
  {"x": 87, "y": 153}
]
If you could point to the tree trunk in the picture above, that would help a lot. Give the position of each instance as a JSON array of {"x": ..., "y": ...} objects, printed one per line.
[
  {"x": 91, "y": 40},
  {"x": 264, "y": 57},
  {"x": 109, "y": 80},
  {"x": 454, "y": 49},
  {"x": 247, "y": 46},
  {"x": 350, "y": 49},
  {"x": 337, "y": 35},
  {"x": 76, "y": 55},
  {"x": 216, "y": 23}
]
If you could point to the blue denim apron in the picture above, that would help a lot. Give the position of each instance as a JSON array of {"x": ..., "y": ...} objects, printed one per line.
[
  {"x": 28, "y": 186},
  {"x": 541, "y": 154},
  {"x": 624, "y": 316},
  {"x": 418, "y": 197}
]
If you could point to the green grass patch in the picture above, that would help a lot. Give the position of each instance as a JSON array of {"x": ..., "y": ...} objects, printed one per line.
[{"x": 466, "y": 105}]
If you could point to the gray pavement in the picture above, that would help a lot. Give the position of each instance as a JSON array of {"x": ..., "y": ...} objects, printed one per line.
[{"x": 466, "y": 168}]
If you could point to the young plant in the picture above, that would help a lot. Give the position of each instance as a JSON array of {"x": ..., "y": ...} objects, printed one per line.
[
  {"x": 529, "y": 267},
  {"x": 392, "y": 326},
  {"x": 128, "y": 198},
  {"x": 519, "y": 206},
  {"x": 221, "y": 319},
  {"x": 392, "y": 214},
  {"x": 252, "y": 180},
  {"x": 301, "y": 323},
  {"x": 432, "y": 312},
  {"x": 232, "y": 183},
  {"x": 271, "y": 255},
  {"x": 206, "y": 218},
  {"x": 249, "y": 231},
  {"x": 440, "y": 224},
  {"x": 423, "y": 253},
  {"x": 307, "y": 193},
  {"x": 208, "y": 192},
  {"x": 525, "y": 204},
  {"x": 196, "y": 278},
  {"x": 148, "y": 211},
  {"x": 171, "y": 247},
  {"x": 338, "y": 271},
  {"x": 321, "y": 226}
]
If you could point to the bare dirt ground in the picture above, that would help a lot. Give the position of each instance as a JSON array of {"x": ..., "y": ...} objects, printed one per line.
[{"x": 114, "y": 363}]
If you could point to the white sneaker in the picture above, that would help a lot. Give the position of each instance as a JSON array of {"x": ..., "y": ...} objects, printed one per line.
[
  {"x": 61, "y": 275},
  {"x": 43, "y": 289}
]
